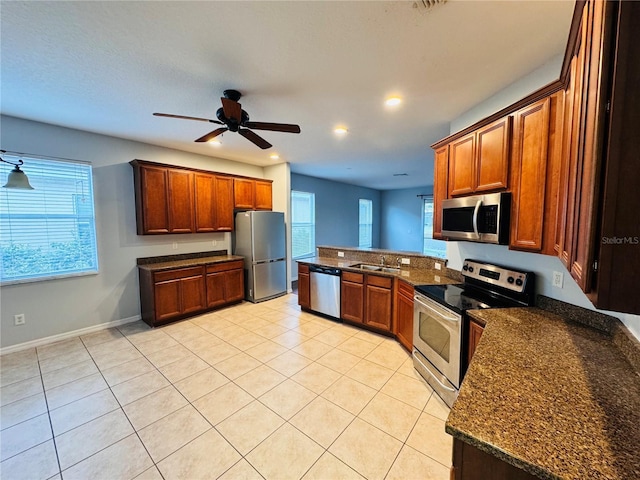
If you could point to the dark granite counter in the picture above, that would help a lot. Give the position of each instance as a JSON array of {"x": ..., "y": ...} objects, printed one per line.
[
  {"x": 188, "y": 262},
  {"x": 550, "y": 396},
  {"x": 414, "y": 276}
]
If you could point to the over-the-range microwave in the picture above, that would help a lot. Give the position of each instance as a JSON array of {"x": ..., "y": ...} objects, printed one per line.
[{"x": 478, "y": 218}]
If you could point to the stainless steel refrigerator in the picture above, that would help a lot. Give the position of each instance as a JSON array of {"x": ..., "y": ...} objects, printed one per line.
[{"x": 260, "y": 238}]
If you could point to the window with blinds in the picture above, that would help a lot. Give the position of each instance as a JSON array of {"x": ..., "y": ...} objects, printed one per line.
[
  {"x": 50, "y": 231},
  {"x": 431, "y": 247},
  {"x": 365, "y": 223},
  {"x": 303, "y": 224}
]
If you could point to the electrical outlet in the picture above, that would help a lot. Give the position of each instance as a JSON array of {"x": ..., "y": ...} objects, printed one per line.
[
  {"x": 406, "y": 261},
  {"x": 19, "y": 319},
  {"x": 175, "y": 245},
  {"x": 558, "y": 277},
  {"x": 341, "y": 254},
  {"x": 438, "y": 266}
]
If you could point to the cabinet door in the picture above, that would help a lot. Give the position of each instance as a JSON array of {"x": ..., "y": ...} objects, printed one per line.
[
  {"x": 244, "y": 193},
  {"x": 440, "y": 179},
  {"x": 404, "y": 315},
  {"x": 192, "y": 291},
  {"x": 215, "y": 289},
  {"x": 234, "y": 285},
  {"x": 378, "y": 307},
  {"x": 204, "y": 202},
  {"x": 462, "y": 165},
  {"x": 475, "y": 332},
  {"x": 493, "y": 156},
  {"x": 264, "y": 197},
  {"x": 529, "y": 176},
  {"x": 304, "y": 290},
  {"x": 167, "y": 300},
  {"x": 181, "y": 216},
  {"x": 223, "y": 208},
  {"x": 154, "y": 199},
  {"x": 352, "y": 301}
]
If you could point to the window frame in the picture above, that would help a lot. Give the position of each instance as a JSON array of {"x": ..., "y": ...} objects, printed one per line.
[
  {"x": 367, "y": 224},
  {"x": 311, "y": 225},
  {"x": 42, "y": 171},
  {"x": 425, "y": 251}
]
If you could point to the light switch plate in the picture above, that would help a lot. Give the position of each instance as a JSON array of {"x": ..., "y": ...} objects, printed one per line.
[
  {"x": 438, "y": 266},
  {"x": 341, "y": 254},
  {"x": 406, "y": 261}
]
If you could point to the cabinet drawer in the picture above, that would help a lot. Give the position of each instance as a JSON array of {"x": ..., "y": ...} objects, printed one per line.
[
  {"x": 178, "y": 273},
  {"x": 224, "y": 266},
  {"x": 352, "y": 277},
  {"x": 384, "y": 282},
  {"x": 405, "y": 289},
  {"x": 303, "y": 268}
]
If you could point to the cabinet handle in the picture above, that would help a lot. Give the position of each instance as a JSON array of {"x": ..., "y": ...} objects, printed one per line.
[{"x": 439, "y": 314}]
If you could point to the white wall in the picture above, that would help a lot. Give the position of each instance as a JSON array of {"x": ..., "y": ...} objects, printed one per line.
[
  {"x": 281, "y": 176},
  {"x": 543, "y": 265},
  {"x": 58, "y": 306}
]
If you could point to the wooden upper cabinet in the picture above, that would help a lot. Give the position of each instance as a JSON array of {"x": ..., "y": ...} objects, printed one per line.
[
  {"x": 181, "y": 209},
  {"x": 492, "y": 166},
  {"x": 529, "y": 171},
  {"x": 223, "y": 205},
  {"x": 244, "y": 193},
  {"x": 152, "y": 200},
  {"x": 252, "y": 194},
  {"x": 479, "y": 161},
  {"x": 204, "y": 197},
  {"x": 462, "y": 165},
  {"x": 440, "y": 186},
  {"x": 263, "y": 195}
]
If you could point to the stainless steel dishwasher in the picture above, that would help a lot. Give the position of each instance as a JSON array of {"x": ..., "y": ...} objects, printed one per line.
[{"x": 325, "y": 290}]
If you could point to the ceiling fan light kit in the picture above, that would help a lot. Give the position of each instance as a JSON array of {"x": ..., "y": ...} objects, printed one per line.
[{"x": 235, "y": 119}]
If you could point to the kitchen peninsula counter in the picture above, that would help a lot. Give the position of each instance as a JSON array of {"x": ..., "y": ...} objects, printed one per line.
[
  {"x": 414, "y": 276},
  {"x": 553, "y": 397}
]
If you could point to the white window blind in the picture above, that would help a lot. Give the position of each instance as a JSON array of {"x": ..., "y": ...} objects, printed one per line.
[
  {"x": 49, "y": 231},
  {"x": 303, "y": 224},
  {"x": 431, "y": 247},
  {"x": 365, "y": 223}
]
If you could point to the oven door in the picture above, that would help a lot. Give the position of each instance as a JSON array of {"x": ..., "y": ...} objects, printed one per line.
[{"x": 437, "y": 334}]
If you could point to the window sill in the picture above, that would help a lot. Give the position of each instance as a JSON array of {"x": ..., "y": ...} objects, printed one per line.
[{"x": 21, "y": 281}]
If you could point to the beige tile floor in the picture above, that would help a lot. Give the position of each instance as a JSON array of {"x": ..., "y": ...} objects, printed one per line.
[{"x": 251, "y": 391}]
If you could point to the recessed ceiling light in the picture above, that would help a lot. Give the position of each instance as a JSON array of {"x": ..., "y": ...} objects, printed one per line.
[
  {"x": 340, "y": 130},
  {"x": 393, "y": 101},
  {"x": 274, "y": 156},
  {"x": 215, "y": 142}
]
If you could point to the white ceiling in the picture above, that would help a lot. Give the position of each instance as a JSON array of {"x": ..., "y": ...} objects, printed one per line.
[{"x": 106, "y": 66}]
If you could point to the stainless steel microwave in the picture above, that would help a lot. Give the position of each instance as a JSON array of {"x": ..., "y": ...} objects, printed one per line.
[{"x": 478, "y": 218}]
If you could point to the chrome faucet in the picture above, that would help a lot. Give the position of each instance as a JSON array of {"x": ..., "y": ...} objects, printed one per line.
[
  {"x": 398, "y": 261},
  {"x": 382, "y": 260}
]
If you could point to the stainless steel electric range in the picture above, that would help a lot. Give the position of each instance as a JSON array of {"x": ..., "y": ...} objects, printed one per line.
[{"x": 440, "y": 323}]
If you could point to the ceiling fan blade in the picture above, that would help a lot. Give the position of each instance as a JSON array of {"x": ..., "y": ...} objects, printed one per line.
[
  {"x": 255, "y": 138},
  {"x": 275, "y": 127},
  {"x": 187, "y": 118},
  {"x": 211, "y": 135},
  {"x": 232, "y": 109}
]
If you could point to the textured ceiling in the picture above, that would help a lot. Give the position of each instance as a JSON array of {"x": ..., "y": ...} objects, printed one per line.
[{"x": 106, "y": 66}]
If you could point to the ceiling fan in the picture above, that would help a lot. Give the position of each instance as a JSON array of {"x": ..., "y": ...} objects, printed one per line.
[{"x": 237, "y": 120}]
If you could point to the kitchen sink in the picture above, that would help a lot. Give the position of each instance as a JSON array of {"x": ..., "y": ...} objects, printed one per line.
[{"x": 375, "y": 268}]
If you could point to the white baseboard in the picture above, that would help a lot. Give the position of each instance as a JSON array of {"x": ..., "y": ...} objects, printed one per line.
[{"x": 63, "y": 336}]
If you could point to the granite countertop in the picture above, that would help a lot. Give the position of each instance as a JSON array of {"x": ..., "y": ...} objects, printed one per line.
[
  {"x": 550, "y": 396},
  {"x": 190, "y": 262},
  {"x": 411, "y": 275}
]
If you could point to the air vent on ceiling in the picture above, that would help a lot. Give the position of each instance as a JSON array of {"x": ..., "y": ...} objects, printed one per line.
[{"x": 424, "y": 5}]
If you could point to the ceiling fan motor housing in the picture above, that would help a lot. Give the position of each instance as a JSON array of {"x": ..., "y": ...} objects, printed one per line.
[{"x": 231, "y": 124}]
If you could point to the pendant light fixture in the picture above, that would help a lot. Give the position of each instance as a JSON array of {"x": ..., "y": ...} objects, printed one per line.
[{"x": 17, "y": 178}]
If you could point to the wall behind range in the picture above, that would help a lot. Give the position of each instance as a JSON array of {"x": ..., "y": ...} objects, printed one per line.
[
  {"x": 543, "y": 265},
  {"x": 58, "y": 306}
]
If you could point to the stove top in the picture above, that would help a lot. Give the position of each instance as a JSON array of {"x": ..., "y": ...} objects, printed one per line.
[{"x": 485, "y": 286}]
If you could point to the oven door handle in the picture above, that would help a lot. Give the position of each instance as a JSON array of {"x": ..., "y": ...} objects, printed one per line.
[
  {"x": 476, "y": 211},
  {"x": 446, "y": 387},
  {"x": 440, "y": 315}
]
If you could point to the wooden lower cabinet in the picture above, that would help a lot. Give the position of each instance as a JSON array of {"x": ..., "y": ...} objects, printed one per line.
[
  {"x": 352, "y": 297},
  {"x": 378, "y": 301},
  {"x": 169, "y": 295},
  {"x": 471, "y": 463},
  {"x": 304, "y": 286},
  {"x": 403, "y": 326},
  {"x": 475, "y": 332}
]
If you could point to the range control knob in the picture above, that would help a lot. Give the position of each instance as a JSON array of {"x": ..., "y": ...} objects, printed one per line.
[
  {"x": 465, "y": 268},
  {"x": 471, "y": 269},
  {"x": 519, "y": 282},
  {"x": 510, "y": 279}
]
